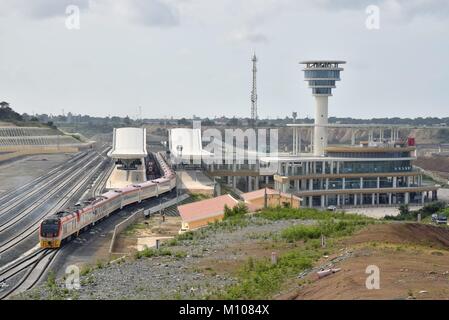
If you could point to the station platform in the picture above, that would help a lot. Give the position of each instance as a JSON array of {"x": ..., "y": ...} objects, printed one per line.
[
  {"x": 195, "y": 181},
  {"x": 123, "y": 178}
]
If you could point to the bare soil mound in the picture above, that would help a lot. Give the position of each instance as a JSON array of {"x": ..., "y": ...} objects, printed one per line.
[
  {"x": 412, "y": 259},
  {"x": 407, "y": 233}
]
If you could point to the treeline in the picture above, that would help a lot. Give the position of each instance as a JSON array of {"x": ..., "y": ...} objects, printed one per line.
[{"x": 8, "y": 114}]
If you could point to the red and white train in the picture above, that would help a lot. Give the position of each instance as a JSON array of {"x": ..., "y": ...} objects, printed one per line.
[{"x": 63, "y": 225}]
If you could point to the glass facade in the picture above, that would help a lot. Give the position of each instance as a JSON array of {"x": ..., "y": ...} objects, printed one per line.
[
  {"x": 376, "y": 166},
  {"x": 326, "y": 83},
  {"x": 369, "y": 154},
  {"x": 322, "y": 74},
  {"x": 321, "y": 90}
]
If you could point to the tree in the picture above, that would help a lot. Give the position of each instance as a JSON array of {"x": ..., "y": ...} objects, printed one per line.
[
  {"x": 6, "y": 113},
  {"x": 404, "y": 210}
]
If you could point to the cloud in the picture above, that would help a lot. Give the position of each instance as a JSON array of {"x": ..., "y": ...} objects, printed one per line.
[
  {"x": 248, "y": 36},
  {"x": 407, "y": 9},
  {"x": 39, "y": 9},
  {"x": 149, "y": 12},
  {"x": 145, "y": 12}
]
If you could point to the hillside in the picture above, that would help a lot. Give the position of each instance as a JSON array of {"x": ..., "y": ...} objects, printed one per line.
[
  {"x": 412, "y": 259},
  {"x": 233, "y": 259}
]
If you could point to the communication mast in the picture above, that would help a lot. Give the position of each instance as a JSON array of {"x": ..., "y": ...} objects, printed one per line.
[{"x": 254, "y": 91}]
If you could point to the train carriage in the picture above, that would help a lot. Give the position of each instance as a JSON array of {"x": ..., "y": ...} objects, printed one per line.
[{"x": 57, "y": 228}]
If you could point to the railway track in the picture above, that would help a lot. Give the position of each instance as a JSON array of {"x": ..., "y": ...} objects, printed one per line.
[
  {"x": 25, "y": 272},
  {"x": 51, "y": 178},
  {"x": 102, "y": 180},
  {"x": 31, "y": 229},
  {"x": 49, "y": 202},
  {"x": 39, "y": 197},
  {"x": 10, "y": 196}
]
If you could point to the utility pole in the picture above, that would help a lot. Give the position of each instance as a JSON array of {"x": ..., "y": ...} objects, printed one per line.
[{"x": 254, "y": 92}]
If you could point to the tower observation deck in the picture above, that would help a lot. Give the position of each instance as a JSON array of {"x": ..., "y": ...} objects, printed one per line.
[{"x": 321, "y": 76}]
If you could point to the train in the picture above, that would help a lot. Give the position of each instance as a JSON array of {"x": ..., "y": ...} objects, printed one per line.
[{"x": 62, "y": 226}]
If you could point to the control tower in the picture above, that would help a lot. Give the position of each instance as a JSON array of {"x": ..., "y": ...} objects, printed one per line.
[{"x": 321, "y": 76}]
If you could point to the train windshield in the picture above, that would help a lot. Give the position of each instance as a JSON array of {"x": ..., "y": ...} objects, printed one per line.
[{"x": 50, "y": 228}]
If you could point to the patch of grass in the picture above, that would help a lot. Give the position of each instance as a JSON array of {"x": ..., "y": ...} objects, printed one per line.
[
  {"x": 279, "y": 213},
  {"x": 199, "y": 196},
  {"x": 180, "y": 254},
  {"x": 85, "y": 269},
  {"x": 301, "y": 232},
  {"x": 260, "y": 279},
  {"x": 150, "y": 252},
  {"x": 172, "y": 242},
  {"x": 327, "y": 228},
  {"x": 134, "y": 228}
]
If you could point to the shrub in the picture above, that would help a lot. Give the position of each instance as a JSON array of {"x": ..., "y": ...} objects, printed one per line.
[
  {"x": 301, "y": 232},
  {"x": 238, "y": 210}
]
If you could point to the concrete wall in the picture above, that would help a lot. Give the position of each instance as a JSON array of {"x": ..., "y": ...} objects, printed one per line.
[
  {"x": 13, "y": 152},
  {"x": 203, "y": 222},
  {"x": 274, "y": 200}
]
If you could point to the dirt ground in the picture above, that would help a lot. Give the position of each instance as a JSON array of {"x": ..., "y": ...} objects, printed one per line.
[
  {"x": 413, "y": 261},
  {"x": 145, "y": 231},
  {"x": 433, "y": 163}
]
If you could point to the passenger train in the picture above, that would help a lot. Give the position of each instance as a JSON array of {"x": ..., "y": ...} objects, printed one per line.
[{"x": 62, "y": 226}]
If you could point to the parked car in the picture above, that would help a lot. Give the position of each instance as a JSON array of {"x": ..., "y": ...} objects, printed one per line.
[{"x": 439, "y": 219}]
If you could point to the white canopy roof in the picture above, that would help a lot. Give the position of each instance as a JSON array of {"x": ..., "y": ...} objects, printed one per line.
[
  {"x": 129, "y": 143},
  {"x": 187, "y": 139}
]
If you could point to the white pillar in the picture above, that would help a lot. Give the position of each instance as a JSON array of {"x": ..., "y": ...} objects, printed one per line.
[
  {"x": 320, "y": 128},
  {"x": 373, "y": 199},
  {"x": 294, "y": 140}
]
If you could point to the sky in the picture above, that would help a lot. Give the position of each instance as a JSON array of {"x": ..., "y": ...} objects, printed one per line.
[{"x": 179, "y": 58}]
